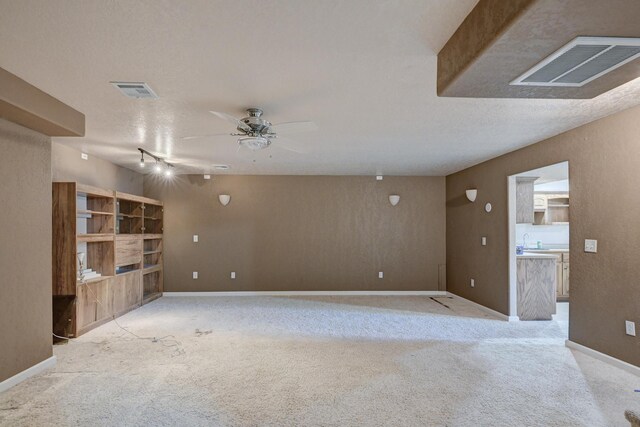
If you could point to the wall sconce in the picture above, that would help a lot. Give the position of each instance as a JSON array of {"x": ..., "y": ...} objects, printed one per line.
[
  {"x": 472, "y": 194},
  {"x": 224, "y": 199},
  {"x": 394, "y": 199}
]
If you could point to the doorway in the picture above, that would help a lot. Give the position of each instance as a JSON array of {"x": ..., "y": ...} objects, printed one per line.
[{"x": 539, "y": 248}]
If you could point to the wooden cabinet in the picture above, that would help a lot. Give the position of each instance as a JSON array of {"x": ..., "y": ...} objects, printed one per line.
[
  {"x": 101, "y": 255},
  {"x": 536, "y": 282},
  {"x": 524, "y": 200},
  {"x": 562, "y": 272},
  {"x": 551, "y": 208}
]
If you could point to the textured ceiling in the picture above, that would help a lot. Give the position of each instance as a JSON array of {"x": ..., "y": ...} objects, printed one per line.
[{"x": 363, "y": 71}]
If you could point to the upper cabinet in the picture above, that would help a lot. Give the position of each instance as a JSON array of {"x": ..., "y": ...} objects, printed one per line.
[
  {"x": 524, "y": 200},
  {"x": 551, "y": 209}
]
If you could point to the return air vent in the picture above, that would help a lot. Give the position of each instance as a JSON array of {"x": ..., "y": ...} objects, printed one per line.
[
  {"x": 580, "y": 61},
  {"x": 135, "y": 90}
]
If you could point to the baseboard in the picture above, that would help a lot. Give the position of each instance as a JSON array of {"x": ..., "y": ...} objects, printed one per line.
[
  {"x": 604, "y": 357},
  {"x": 302, "y": 293},
  {"x": 487, "y": 309},
  {"x": 27, "y": 373}
]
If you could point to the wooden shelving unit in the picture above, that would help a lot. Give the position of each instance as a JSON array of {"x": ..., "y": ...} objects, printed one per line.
[{"x": 122, "y": 265}]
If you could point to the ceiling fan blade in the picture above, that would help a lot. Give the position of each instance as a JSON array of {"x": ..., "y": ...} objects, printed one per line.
[
  {"x": 229, "y": 118},
  {"x": 186, "y": 138},
  {"x": 293, "y": 127},
  {"x": 288, "y": 147}
]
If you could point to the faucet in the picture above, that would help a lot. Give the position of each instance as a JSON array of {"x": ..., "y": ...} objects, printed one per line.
[{"x": 525, "y": 236}]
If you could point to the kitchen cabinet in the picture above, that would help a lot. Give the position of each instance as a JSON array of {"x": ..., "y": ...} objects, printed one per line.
[
  {"x": 551, "y": 208},
  {"x": 562, "y": 272},
  {"x": 524, "y": 200},
  {"x": 536, "y": 282}
]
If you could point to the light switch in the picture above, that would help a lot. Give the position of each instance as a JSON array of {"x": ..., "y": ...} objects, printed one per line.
[
  {"x": 207, "y": 177},
  {"x": 233, "y": 274},
  {"x": 195, "y": 238},
  {"x": 484, "y": 241},
  {"x": 630, "y": 328},
  {"x": 473, "y": 283},
  {"x": 84, "y": 156},
  {"x": 195, "y": 274},
  {"x": 591, "y": 245},
  {"x": 380, "y": 275},
  {"x": 379, "y": 177}
]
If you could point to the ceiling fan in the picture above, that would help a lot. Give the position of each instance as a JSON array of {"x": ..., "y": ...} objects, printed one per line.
[{"x": 255, "y": 132}]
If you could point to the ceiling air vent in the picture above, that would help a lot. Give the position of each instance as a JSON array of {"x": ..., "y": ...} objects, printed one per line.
[
  {"x": 135, "y": 90},
  {"x": 580, "y": 61}
]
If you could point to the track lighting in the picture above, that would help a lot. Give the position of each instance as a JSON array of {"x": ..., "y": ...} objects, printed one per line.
[{"x": 161, "y": 166}]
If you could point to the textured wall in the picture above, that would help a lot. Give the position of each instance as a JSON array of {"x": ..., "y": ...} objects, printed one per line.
[
  {"x": 604, "y": 171},
  {"x": 302, "y": 232},
  {"x": 25, "y": 249},
  {"x": 67, "y": 165}
]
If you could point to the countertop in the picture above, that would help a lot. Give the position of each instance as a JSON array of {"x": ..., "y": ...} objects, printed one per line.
[{"x": 537, "y": 255}]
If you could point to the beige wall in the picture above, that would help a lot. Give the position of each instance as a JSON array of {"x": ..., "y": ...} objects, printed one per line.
[
  {"x": 67, "y": 165},
  {"x": 604, "y": 170},
  {"x": 302, "y": 232},
  {"x": 25, "y": 249}
]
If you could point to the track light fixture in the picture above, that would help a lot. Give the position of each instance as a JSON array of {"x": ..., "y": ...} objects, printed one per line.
[{"x": 161, "y": 166}]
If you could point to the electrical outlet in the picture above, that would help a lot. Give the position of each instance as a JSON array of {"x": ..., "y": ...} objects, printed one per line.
[
  {"x": 380, "y": 274},
  {"x": 233, "y": 274},
  {"x": 484, "y": 241},
  {"x": 473, "y": 283},
  {"x": 195, "y": 274},
  {"x": 630, "y": 328},
  {"x": 590, "y": 245}
]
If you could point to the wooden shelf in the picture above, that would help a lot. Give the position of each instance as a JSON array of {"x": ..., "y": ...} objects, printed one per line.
[
  {"x": 557, "y": 206},
  {"x": 108, "y": 228},
  {"x": 151, "y": 269},
  {"x": 88, "y": 212},
  {"x": 95, "y": 237},
  {"x": 93, "y": 280}
]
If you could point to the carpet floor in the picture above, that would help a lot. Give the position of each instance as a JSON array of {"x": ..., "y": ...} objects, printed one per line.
[{"x": 321, "y": 361}]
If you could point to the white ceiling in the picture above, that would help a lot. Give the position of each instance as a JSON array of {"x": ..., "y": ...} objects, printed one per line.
[{"x": 364, "y": 71}]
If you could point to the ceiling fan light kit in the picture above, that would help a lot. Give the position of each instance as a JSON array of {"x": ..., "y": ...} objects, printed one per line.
[{"x": 257, "y": 133}]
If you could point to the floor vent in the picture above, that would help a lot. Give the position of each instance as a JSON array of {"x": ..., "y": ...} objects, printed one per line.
[
  {"x": 135, "y": 90},
  {"x": 580, "y": 61}
]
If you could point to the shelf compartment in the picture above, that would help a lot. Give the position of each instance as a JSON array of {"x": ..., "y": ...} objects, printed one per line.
[
  {"x": 151, "y": 284},
  {"x": 152, "y": 246}
]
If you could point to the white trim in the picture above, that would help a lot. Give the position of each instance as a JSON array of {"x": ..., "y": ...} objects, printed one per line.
[
  {"x": 513, "y": 266},
  {"x": 301, "y": 293},
  {"x": 487, "y": 309},
  {"x": 603, "y": 357},
  {"x": 27, "y": 373}
]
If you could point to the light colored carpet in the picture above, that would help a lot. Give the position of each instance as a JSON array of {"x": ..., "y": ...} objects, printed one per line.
[{"x": 322, "y": 361}]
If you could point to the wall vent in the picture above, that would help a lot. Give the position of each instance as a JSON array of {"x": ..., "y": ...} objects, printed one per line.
[
  {"x": 580, "y": 61},
  {"x": 135, "y": 89}
]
